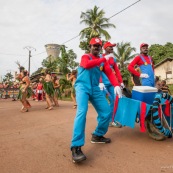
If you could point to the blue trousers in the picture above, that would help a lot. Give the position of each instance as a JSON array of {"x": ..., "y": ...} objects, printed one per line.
[
  {"x": 111, "y": 97},
  {"x": 102, "y": 107}
]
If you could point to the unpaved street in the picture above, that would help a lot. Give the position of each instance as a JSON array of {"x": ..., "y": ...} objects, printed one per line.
[{"x": 38, "y": 142}]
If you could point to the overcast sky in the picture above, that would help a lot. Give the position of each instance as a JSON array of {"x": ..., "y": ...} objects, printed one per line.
[{"x": 38, "y": 22}]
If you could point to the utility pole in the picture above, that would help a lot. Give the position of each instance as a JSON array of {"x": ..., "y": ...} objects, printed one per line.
[{"x": 29, "y": 48}]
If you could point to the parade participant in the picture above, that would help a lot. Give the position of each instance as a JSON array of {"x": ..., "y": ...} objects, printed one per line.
[
  {"x": 136, "y": 79},
  {"x": 24, "y": 91},
  {"x": 48, "y": 88},
  {"x": 39, "y": 90},
  {"x": 145, "y": 64},
  {"x": 158, "y": 84},
  {"x": 34, "y": 89},
  {"x": 72, "y": 77},
  {"x": 56, "y": 86},
  {"x": 19, "y": 76},
  {"x": 105, "y": 83},
  {"x": 164, "y": 87},
  {"x": 87, "y": 89}
]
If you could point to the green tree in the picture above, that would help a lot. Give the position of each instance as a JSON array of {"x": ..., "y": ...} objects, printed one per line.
[
  {"x": 124, "y": 54},
  {"x": 8, "y": 78},
  {"x": 160, "y": 52},
  {"x": 50, "y": 63},
  {"x": 96, "y": 23},
  {"x": 66, "y": 62},
  {"x": 38, "y": 71}
]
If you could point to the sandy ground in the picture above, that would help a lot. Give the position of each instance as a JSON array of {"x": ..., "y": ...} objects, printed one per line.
[{"x": 38, "y": 142}]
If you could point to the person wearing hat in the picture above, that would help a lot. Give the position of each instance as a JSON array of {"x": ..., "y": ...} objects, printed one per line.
[
  {"x": 105, "y": 84},
  {"x": 87, "y": 89},
  {"x": 146, "y": 66}
]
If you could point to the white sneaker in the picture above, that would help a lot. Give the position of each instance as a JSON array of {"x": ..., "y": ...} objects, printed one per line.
[{"x": 115, "y": 124}]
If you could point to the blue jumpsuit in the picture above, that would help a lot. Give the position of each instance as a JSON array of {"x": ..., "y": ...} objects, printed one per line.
[
  {"x": 147, "y": 68},
  {"x": 110, "y": 87},
  {"x": 87, "y": 89}
]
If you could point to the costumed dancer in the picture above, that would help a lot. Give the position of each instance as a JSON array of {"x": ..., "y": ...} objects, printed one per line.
[
  {"x": 56, "y": 86},
  {"x": 136, "y": 79},
  {"x": 87, "y": 89},
  {"x": 72, "y": 77},
  {"x": 39, "y": 90},
  {"x": 146, "y": 66},
  {"x": 34, "y": 88},
  {"x": 145, "y": 63},
  {"x": 48, "y": 88},
  {"x": 19, "y": 76},
  {"x": 105, "y": 83},
  {"x": 25, "y": 91}
]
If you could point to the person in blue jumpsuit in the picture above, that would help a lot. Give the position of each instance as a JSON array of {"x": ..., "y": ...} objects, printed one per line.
[
  {"x": 105, "y": 84},
  {"x": 87, "y": 89},
  {"x": 146, "y": 66}
]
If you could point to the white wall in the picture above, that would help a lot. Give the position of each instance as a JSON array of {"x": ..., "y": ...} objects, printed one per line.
[{"x": 162, "y": 69}]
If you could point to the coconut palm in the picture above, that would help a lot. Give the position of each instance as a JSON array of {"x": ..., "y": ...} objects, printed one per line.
[
  {"x": 96, "y": 23},
  {"x": 124, "y": 53}
]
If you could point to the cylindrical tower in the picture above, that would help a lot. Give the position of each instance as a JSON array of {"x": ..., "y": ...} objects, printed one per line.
[{"x": 53, "y": 50}]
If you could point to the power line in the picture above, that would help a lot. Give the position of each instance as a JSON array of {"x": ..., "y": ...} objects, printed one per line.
[
  {"x": 108, "y": 18},
  {"x": 78, "y": 34},
  {"x": 71, "y": 39},
  {"x": 11, "y": 54},
  {"x": 33, "y": 62},
  {"x": 39, "y": 53},
  {"x": 124, "y": 9},
  {"x": 24, "y": 62}
]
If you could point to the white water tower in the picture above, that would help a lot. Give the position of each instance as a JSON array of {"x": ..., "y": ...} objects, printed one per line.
[{"x": 53, "y": 50}]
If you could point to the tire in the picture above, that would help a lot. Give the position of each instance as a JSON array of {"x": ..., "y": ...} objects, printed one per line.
[{"x": 153, "y": 132}]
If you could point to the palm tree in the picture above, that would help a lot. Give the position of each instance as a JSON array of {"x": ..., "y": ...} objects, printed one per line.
[
  {"x": 96, "y": 23},
  {"x": 124, "y": 53}
]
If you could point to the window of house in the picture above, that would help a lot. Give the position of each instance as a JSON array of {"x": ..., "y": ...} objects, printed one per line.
[{"x": 168, "y": 74}]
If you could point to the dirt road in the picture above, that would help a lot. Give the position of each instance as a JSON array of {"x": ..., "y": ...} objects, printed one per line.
[{"x": 38, "y": 142}]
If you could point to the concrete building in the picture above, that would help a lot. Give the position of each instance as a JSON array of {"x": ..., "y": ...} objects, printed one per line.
[
  {"x": 164, "y": 70},
  {"x": 53, "y": 50}
]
